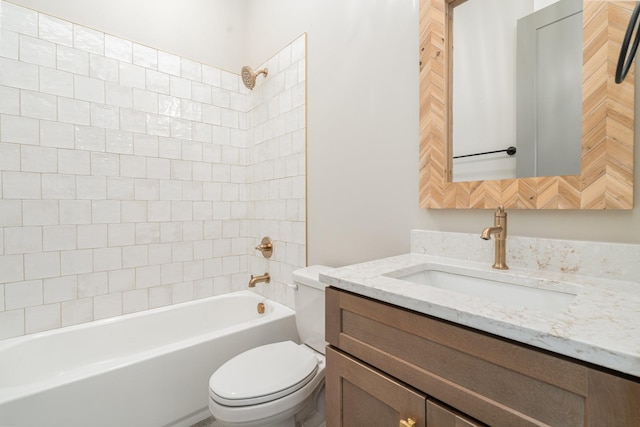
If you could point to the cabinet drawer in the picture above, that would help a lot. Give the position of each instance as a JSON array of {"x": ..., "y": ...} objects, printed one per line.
[
  {"x": 439, "y": 415},
  {"x": 496, "y": 381},
  {"x": 359, "y": 395}
]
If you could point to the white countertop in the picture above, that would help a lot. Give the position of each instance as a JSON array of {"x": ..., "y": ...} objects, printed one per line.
[{"x": 600, "y": 325}]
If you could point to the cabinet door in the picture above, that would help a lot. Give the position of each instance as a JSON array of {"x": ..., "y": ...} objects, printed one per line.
[
  {"x": 358, "y": 395},
  {"x": 440, "y": 416}
]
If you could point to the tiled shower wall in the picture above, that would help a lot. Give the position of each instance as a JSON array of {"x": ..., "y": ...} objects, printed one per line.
[{"x": 132, "y": 178}]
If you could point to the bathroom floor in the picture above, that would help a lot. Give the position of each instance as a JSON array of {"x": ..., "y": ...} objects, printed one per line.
[{"x": 209, "y": 422}]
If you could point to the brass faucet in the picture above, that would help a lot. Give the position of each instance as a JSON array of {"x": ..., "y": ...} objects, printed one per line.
[
  {"x": 499, "y": 229},
  {"x": 257, "y": 279}
]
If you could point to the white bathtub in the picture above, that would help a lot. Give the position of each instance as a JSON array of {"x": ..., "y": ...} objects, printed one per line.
[{"x": 144, "y": 369}]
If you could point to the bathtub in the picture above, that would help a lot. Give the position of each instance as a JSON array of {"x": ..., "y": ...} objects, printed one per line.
[{"x": 144, "y": 369}]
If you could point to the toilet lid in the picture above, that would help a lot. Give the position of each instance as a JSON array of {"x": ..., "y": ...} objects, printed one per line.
[{"x": 263, "y": 374}]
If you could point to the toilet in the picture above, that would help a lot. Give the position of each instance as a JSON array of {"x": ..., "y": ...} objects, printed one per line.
[{"x": 280, "y": 384}]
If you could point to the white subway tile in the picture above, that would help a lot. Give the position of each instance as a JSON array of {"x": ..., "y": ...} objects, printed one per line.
[
  {"x": 106, "y": 211},
  {"x": 9, "y": 44},
  {"x": 41, "y": 265},
  {"x": 211, "y": 75},
  {"x": 147, "y": 189},
  {"x": 39, "y": 52},
  {"x": 119, "y": 142},
  {"x": 105, "y": 116},
  {"x": 18, "y": 19},
  {"x": 88, "y": 40},
  {"x": 170, "y": 232},
  {"x": 60, "y": 289},
  {"x": 40, "y": 212},
  {"x": 91, "y": 187},
  {"x": 38, "y": 159},
  {"x": 74, "y": 162},
  {"x": 147, "y": 233},
  {"x": 171, "y": 273},
  {"x": 21, "y": 185},
  {"x": 181, "y": 170},
  {"x": 229, "y": 118},
  {"x": 160, "y": 254},
  {"x": 202, "y": 211},
  {"x": 105, "y": 306},
  {"x": 59, "y": 237},
  {"x": 136, "y": 300},
  {"x": 10, "y": 213},
  {"x": 201, "y": 92},
  {"x": 192, "y": 150},
  {"x": 133, "y": 121},
  {"x": 18, "y": 74},
  {"x": 169, "y": 105},
  {"x": 147, "y": 277},
  {"x": 22, "y": 240},
  {"x": 168, "y": 63},
  {"x": 21, "y": 130},
  {"x": 146, "y": 101},
  {"x": 170, "y": 190},
  {"x": 202, "y": 171},
  {"x": 158, "y": 125},
  {"x": 73, "y": 111},
  {"x": 193, "y": 270},
  {"x": 212, "y": 191},
  {"x": 42, "y": 318},
  {"x": 202, "y": 132},
  {"x": 191, "y": 70},
  {"x": 76, "y": 262},
  {"x": 229, "y": 81},
  {"x": 145, "y": 56},
  {"x": 23, "y": 294},
  {"x": 203, "y": 288},
  {"x": 133, "y": 166},
  {"x": 135, "y": 256},
  {"x": 105, "y": 164},
  {"x": 89, "y": 89},
  {"x": 180, "y": 87},
  {"x": 11, "y": 268},
  {"x": 122, "y": 280},
  {"x": 119, "y": 95},
  {"x": 9, "y": 100},
  {"x": 55, "y": 30},
  {"x": 145, "y": 145},
  {"x": 120, "y": 188},
  {"x": 220, "y": 97},
  {"x": 75, "y": 212},
  {"x": 182, "y": 292},
  {"x": 170, "y": 148},
  {"x": 72, "y": 60},
  {"x": 134, "y": 211},
  {"x": 117, "y": 48},
  {"x": 192, "y": 190},
  {"x": 9, "y": 157},
  {"x": 182, "y": 251},
  {"x": 11, "y": 323},
  {"x": 121, "y": 234},
  {"x": 102, "y": 68},
  {"x": 77, "y": 311},
  {"x": 132, "y": 75},
  {"x": 157, "y": 82},
  {"x": 158, "y": 168},
  {"x": 203, "y": 249},
  {"x": 56, "y": 82},
  {"x": 159, "y": 296},
  {"x": 92, "y": 236},
  {"x": 106, "y": 259},
  {"x": 191, "y": 110}
]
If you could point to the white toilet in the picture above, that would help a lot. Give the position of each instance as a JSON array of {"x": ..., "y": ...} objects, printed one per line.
[{"x": 281, "y": 384}]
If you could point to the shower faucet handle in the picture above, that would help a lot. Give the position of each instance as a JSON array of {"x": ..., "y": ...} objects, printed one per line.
[{"x": 266, "y": 247}]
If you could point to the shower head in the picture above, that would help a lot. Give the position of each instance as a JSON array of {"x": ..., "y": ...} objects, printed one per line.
[{"x": 249, "y": 76}]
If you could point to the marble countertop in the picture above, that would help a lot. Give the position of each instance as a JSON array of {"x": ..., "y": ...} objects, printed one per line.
[{"x": 600, "y": 324}]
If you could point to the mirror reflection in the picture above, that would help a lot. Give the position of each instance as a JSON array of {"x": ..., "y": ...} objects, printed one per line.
[{"x": 516, "y": 82}]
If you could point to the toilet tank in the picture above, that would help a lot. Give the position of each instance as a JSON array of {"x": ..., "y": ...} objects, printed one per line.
[{"x": 309, "y": 300}]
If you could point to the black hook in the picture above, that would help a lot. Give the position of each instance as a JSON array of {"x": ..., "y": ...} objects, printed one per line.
[{"x": 625, "y": 63}]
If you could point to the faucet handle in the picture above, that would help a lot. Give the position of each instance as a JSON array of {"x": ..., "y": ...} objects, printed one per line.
[{"x": 266, "y": 247}]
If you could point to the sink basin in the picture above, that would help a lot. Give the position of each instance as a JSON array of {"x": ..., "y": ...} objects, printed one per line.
[{"x": 506, "y": 293}]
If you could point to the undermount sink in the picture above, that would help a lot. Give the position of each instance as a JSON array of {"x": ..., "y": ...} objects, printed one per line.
[{"x": 503, "y": 292}]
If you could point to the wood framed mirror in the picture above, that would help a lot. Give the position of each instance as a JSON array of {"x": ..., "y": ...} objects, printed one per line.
[{"x": 606, "y": 177}]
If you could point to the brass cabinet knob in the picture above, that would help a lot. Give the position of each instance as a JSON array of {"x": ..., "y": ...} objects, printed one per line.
[{"x": 407, "y": 423}]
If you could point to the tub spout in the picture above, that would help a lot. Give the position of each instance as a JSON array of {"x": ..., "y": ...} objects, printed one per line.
[{"x": 257, "y": 279}]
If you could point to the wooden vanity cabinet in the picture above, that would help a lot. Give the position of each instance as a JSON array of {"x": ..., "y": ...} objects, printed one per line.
[{"x": 386, "y": 364}]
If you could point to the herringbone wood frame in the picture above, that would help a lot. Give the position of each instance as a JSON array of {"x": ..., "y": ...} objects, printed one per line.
[{"x": 606, "y": 179}]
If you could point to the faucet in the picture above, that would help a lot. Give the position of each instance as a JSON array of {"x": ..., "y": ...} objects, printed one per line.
[
  {"x": 499, "y": 229},
  {"x": 257, "y": 279}
]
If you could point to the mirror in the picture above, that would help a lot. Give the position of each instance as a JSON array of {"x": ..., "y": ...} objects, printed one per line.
[
  {"x": 605, "y": 176},
  {"x": 516, "y": 82}
]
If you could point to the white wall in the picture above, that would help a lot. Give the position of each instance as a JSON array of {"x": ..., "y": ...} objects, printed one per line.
[{"x": 211, "y": 32}]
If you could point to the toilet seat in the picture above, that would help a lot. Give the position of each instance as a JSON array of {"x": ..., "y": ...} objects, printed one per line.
[{"x": 263, "y": 374}]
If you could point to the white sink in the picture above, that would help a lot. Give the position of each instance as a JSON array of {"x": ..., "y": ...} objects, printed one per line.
[{"x": 503, "y": 292}]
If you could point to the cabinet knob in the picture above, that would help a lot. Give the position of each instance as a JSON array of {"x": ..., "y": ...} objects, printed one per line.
[{"x": 407, "y": 423}]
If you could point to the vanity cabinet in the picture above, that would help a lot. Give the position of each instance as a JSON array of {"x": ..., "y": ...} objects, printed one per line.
[{"x": 386, "y": 364}]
